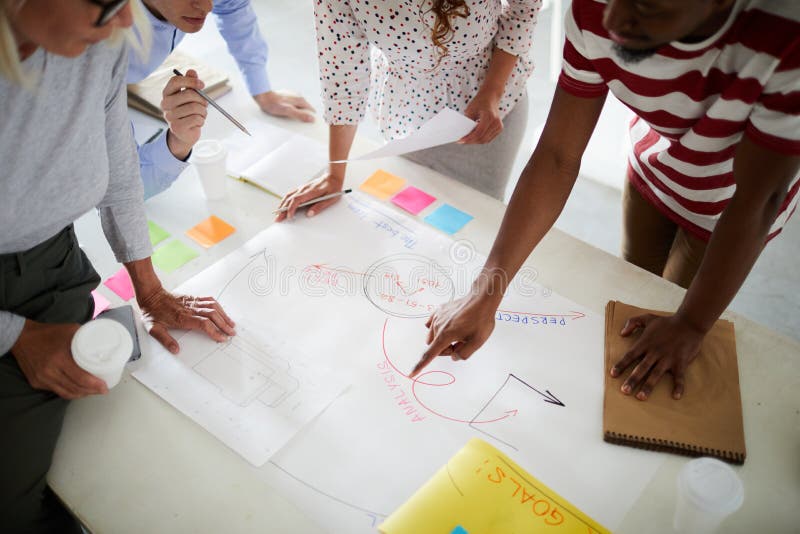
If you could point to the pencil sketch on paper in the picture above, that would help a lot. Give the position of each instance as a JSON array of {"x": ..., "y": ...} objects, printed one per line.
[{"x": 246, "y": 371}]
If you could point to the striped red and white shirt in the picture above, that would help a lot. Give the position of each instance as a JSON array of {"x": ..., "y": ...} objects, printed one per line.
[{"x": 695, "y": 101}]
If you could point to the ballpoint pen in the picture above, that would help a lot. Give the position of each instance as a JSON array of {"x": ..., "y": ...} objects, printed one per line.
[
  {"x": 314, "y": 201},
  {"x": 217, "y": 106}
]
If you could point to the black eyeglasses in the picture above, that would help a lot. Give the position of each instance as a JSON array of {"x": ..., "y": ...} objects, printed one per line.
[{"x": 109, "y": 9}]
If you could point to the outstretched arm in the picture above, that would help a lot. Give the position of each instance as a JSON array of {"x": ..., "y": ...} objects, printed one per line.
[
  {"x": 670, "y": 344},
  {"x": 459, "y": 328}
]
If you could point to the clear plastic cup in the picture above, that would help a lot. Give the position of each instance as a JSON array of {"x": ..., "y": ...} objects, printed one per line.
[
  {"x": 102, "y": 347},
  {"x": 708, "y": 492},
  {"x": 209, "y": 158}
]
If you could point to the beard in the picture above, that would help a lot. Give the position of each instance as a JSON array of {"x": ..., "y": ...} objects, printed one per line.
[{"x": 631, "y": 55}]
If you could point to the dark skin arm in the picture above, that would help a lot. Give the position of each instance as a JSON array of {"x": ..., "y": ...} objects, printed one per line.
[
  {"x": 670, "y": 344},
  {"x": 459, "y": 328}
]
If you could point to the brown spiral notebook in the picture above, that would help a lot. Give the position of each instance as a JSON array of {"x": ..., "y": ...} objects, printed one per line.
[{"x": 707, "y": 421}]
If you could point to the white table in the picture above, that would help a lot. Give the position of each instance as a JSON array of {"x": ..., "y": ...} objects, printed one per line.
[{"x": 129, "y": 462}]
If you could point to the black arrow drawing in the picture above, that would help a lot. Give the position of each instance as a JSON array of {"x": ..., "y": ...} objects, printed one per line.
[{"x": 548, "y": 397}]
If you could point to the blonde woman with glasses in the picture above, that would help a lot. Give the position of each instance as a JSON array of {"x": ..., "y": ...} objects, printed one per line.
[{"x": 65, "y": 147}]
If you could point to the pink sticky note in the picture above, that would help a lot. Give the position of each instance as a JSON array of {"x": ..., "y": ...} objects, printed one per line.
[
  {"x": 121, "y": 284},
  {"x": 413, "y": 200},
  {"x": 101, "y": 303}
]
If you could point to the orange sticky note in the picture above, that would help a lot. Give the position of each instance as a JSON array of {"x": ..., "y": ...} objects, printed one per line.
[
  {"x": 382, "y": 185},
  {"x": 210, "y": 231}
]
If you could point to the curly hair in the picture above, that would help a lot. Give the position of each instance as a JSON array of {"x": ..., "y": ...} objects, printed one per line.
[{"x": 442, "y": 32}]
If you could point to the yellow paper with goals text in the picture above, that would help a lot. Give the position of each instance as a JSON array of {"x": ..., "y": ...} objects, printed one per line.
[{"x": 482, "y": 491}]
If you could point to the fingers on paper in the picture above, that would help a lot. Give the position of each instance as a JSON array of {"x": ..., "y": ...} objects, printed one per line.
[
  {"x": 319, "y": 206},
  {"x": 488, "y": 127},
  {"x": 204, "y": 324},
  {"x": 162, "y": 335},
  {"x": 214, "y": 315},
  {"x": 298, "y": 113}
]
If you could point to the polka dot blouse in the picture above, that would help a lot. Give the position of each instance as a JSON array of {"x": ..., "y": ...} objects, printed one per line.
[{"x": 382, "y": 52}]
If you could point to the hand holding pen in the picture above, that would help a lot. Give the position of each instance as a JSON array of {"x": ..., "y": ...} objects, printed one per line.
[
  {"x": 216, "y": 106},
  {"x": 185, "y": 113}
]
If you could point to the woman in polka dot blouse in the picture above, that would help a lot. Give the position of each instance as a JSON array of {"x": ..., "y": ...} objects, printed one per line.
[{"x": 410, "y": 59}]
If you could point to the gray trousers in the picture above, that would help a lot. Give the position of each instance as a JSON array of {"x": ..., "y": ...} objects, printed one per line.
[
  {"x": 49, "y": 283},
  {"x": 486, "y": 168}
]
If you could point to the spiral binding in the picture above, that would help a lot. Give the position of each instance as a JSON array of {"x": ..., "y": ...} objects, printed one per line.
[{"x": 677, "y": 447}]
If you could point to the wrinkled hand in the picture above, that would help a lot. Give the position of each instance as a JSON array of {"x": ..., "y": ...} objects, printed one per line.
[
  {"x": 281, "y": 104},
  {"x": 324, "y": 185},
  {"x": 43, "y": 353},
  {"x": 484, "y": 108},
  {"x": 185, "y": 112},
  {"x": 457, "y": 329},
  {"x": 666, "y": 345},
  {"x": 162, "y": 310}
]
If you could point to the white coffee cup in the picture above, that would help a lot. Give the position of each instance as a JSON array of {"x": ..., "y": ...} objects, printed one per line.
[
  {"x": 708, "y": 492},
  {"x": 102, "y": 347},
  {"x": 209, "y": 158}
]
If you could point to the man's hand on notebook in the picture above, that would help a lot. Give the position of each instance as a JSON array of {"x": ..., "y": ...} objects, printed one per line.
[{"x": 665, "y": 345}]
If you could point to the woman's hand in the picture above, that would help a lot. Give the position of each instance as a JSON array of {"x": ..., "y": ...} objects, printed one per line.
[
  {"x": 666, "y": 344},
  {"x": 162, "y": 310},
  {"x": 484, "y": 108},
  {"x": 324, "y": 185},
  {"x": 459, "y": 328}
]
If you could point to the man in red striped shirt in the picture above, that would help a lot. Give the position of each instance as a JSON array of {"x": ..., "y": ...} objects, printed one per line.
[{"x": 713, "y": 168}]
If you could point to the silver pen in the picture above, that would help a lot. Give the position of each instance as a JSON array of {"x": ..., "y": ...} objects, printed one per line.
[
  {"x": 315, "y": 200},
  {"x": 217, "y": 106}
]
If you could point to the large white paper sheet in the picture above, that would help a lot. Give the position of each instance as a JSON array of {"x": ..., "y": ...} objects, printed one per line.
[
  {"x": 352, "y": 288},
  {"x": 447, "y": 126},
  {"x": 253, "y": 392}
]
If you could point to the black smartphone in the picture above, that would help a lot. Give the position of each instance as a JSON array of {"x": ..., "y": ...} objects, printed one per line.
[{"x": 124, "y": 316}]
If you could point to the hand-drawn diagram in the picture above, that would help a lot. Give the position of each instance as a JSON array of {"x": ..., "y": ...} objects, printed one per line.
[
  {"x": 407, "y": 285},
  {"x": 245, "y": 371},
  {"x": 440, "y": 379},
  {"x": 534, "y": 386}
]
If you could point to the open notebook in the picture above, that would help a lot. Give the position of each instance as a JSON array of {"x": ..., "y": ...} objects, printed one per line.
[
  {"x": 146, "y": 95},
  {"x": 707, "y": 421},
  {"x": 274, "y": 159}
]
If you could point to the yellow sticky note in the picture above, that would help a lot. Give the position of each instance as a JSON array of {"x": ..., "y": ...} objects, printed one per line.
[
  {"x": 210, "y": 231},
  {"x": 481, "y": 490},
  {"x": 382, "y": 185}
]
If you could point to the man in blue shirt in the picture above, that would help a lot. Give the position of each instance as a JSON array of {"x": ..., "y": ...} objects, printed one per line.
[{"x": 164, "y": 158}]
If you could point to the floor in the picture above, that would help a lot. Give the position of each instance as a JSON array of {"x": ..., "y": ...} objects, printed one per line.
[{"x": 592, "y": 214}]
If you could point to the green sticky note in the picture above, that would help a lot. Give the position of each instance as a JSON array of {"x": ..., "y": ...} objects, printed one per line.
[
  {"x": 157, "y": 234},
  {"x": 173, "y": 255}
]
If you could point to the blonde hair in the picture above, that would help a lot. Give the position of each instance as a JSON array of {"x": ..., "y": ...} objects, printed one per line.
[{"x": 138, "y": 37}]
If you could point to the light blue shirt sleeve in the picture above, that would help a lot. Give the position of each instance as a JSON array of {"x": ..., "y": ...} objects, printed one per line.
[
  {"x": 238, "y": 24},
  {"x": 158, "y": 166}
]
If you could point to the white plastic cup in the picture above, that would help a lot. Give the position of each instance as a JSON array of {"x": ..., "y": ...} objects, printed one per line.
[
  {"x": 708, "y": 492},
  {"x": 209, "y": 157},
  {"x": 102, "y": 347}
]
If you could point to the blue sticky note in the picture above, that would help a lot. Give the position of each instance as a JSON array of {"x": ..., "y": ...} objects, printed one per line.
[
  {"x": 448, "y": 219},
  {"x": 459, "y": 529}
]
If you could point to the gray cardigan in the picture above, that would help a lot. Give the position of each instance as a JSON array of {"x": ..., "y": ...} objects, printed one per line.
[{"x": 66, "y": 147}]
